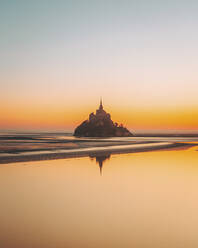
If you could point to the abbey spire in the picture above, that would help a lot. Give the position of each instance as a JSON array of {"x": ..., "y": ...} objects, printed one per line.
[{"x": 101, "y": 106}]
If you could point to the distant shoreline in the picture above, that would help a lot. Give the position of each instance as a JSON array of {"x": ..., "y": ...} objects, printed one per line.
[{"x": 187, "y": 134}]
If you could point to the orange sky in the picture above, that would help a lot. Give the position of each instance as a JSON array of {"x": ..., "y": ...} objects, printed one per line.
[
  {"x": 43, "y": 117},
  {"x": 57, "y": 60}
]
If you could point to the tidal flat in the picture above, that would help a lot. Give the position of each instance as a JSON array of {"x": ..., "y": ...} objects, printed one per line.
[
  {"x": 24, "y": 147},
  {"x": 140, "y": 199}
]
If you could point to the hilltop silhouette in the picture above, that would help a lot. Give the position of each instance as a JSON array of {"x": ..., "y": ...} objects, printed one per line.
[{"x": 101, "y": 125}]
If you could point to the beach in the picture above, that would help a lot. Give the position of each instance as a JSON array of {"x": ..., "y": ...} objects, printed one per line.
[
  {"x": 20, "y": 147},
  {"x": 137, "y": 199}
]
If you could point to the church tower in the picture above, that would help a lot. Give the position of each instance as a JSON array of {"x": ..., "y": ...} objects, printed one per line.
[
  {"x": 101, "y": 107},
  {"x": 101, "y": 113}
]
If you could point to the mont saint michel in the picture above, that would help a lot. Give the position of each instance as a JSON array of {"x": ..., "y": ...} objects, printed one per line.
[{"x": 101, "y": 125}]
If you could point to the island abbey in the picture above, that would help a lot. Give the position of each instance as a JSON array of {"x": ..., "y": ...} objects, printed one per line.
[{"x": 101, "y": 125}]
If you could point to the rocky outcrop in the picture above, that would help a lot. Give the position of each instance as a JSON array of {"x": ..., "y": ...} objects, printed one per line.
[{"x": 101, "y": 125}]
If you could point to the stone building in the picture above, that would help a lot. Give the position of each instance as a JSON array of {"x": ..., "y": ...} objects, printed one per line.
[{"x": 101, "y": 125}]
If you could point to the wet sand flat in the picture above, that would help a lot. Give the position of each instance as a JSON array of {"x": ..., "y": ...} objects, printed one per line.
[
  {"x": 141, "y": 200},
  {"x": 24, "y": 148}
]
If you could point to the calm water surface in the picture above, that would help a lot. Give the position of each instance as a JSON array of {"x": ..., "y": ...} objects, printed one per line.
[{"x": 138, "y": 200}]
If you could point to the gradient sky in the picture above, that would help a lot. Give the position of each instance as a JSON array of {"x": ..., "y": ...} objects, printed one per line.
[{"x": 59, "y": 57}]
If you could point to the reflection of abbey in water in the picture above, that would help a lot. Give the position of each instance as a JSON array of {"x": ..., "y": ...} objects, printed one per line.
[
  {"x": 100, "y": 160},
  {"x": 101, "y": 125}
]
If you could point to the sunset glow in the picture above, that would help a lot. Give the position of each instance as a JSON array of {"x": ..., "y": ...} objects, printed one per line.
[{"x": 56, "y": 62}]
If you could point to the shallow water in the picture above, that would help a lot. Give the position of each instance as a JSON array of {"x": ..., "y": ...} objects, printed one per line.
[
  {"x": 138, "y": 200},
  {"x": 93, "y": 149}
]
